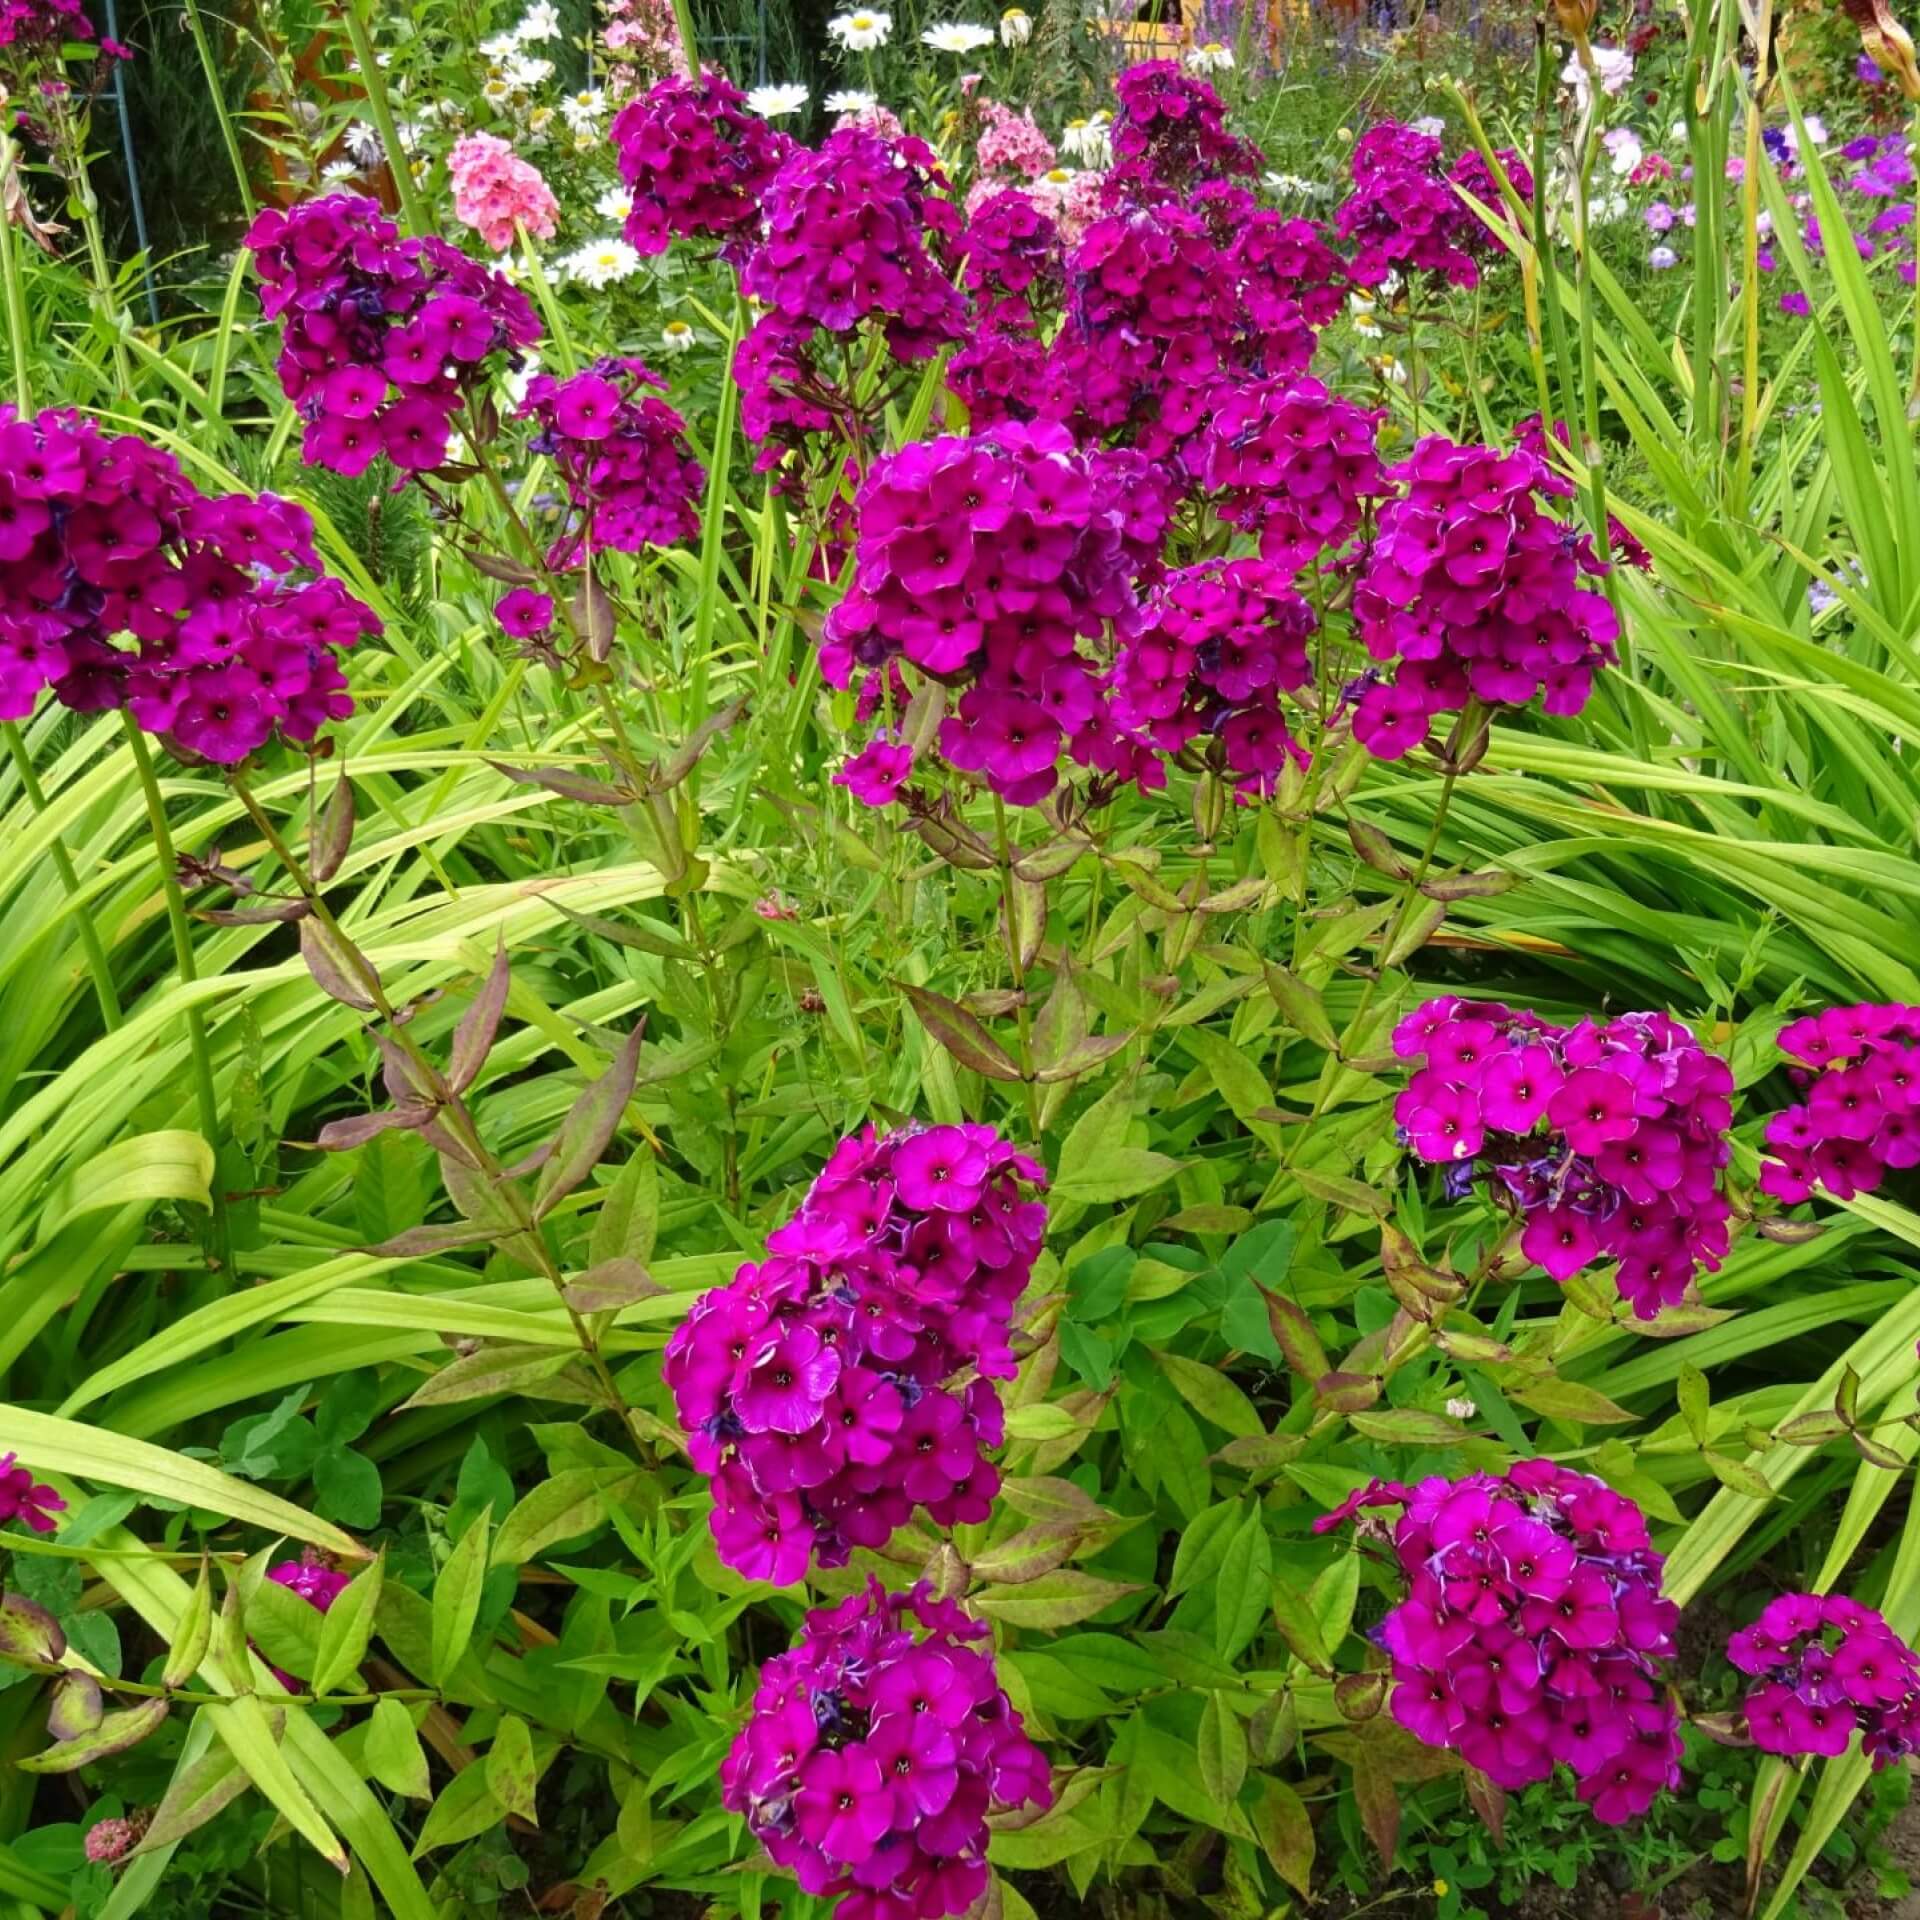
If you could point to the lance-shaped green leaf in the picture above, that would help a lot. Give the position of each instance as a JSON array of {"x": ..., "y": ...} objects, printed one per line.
[
  {"x": 198, "y": 1790},
  {"x": 960, "y": 1033},
  {"x": 249, "y": 1735},
  {"x": 587, "y": 1131},
  {"x": 456, "y": 1597},
  {"x": 347, "y": 1626},
  {"x": 52, "y": 1445},
  {"x": 393, "y": 1752}
]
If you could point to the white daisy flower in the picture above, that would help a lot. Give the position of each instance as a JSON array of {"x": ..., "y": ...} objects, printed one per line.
[
  {"x": 852, "y": 102},
  {"x": 496, "y": 92},
  {"x": 1016, "y": 27},
  {"x": 1360, "y": 306},
  {"x": 539, "y": 120},
  {"x": 1431, "y": 125},
  {"x": 600, "y": 263},
  {"x": 525, "y": 74},
  {"x": 676, "y": 337},
  {"x": 503, "y": 46},
  {"x": 861, "y": 32},
  {"x": 363, "y": 143},
  {"x": 541, "y": 21},
  {"x": 584, "y": 108},
  {"x": 772, "y": 103},
  {"x": 1089, "y": 140},
  {"x": 615, "y": 204},
  {"x": 958, "y": 36},
  {"x": 336, "y": 173},
  {"x": 1215, "y": 57}
]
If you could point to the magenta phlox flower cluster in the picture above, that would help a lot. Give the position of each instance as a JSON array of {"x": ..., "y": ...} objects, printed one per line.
[
  {"x": 1826, "y": 1668},
  {"x": 493, "y": 188},
  {"x": 1531, "y": 1630},
  {"x": 849, "y": 227},
  {"x": 1150, "y": 333},
  {"x": 382, "y": 337},
  {"x": 1859, "y": 1068},
  {"x": 1013, "y": 259},
  {"x": 623, "y": 457},
  {"x": 1013, "y": 269},
  {"x": 875, "y": 1750},
  {"x": 1290, "y": 284},
  {"x": 1625, "y": 546},
  {"x": 1606, "y": 1137},
  {"x": 1292, "y": 463},
  {"x": 1221, "y": 643},
  {"x": 987, "y": 563},
  {"x": 1169, "y": 133},
  {"x": 1403, "y": 215},
  {"x": 103, "y": 537},
  {"x": 319, "y": 1586},
  {"x": 817, "y": 1388},
  {"x": 1474, "y": 588},
  {"x": 696, "y": 160},
  {"x": 34, "y": 31}
]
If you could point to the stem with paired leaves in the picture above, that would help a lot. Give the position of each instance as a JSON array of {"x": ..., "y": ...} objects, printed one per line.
[
  {"x": 205, "y": 1092},
  {"x": 448, "y": 1107}
]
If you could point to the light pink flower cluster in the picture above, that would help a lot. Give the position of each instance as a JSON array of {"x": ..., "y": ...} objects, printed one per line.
[
  {"x": 493, "y": 188},
  {"x": 1011, "y": 143},
  {"x": 1860, "y": 1070},
  {"x": 848, "y": 1377},
  {"x": 1531, "y": 1630},
  {"x": 1606, "y": 1137}
]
